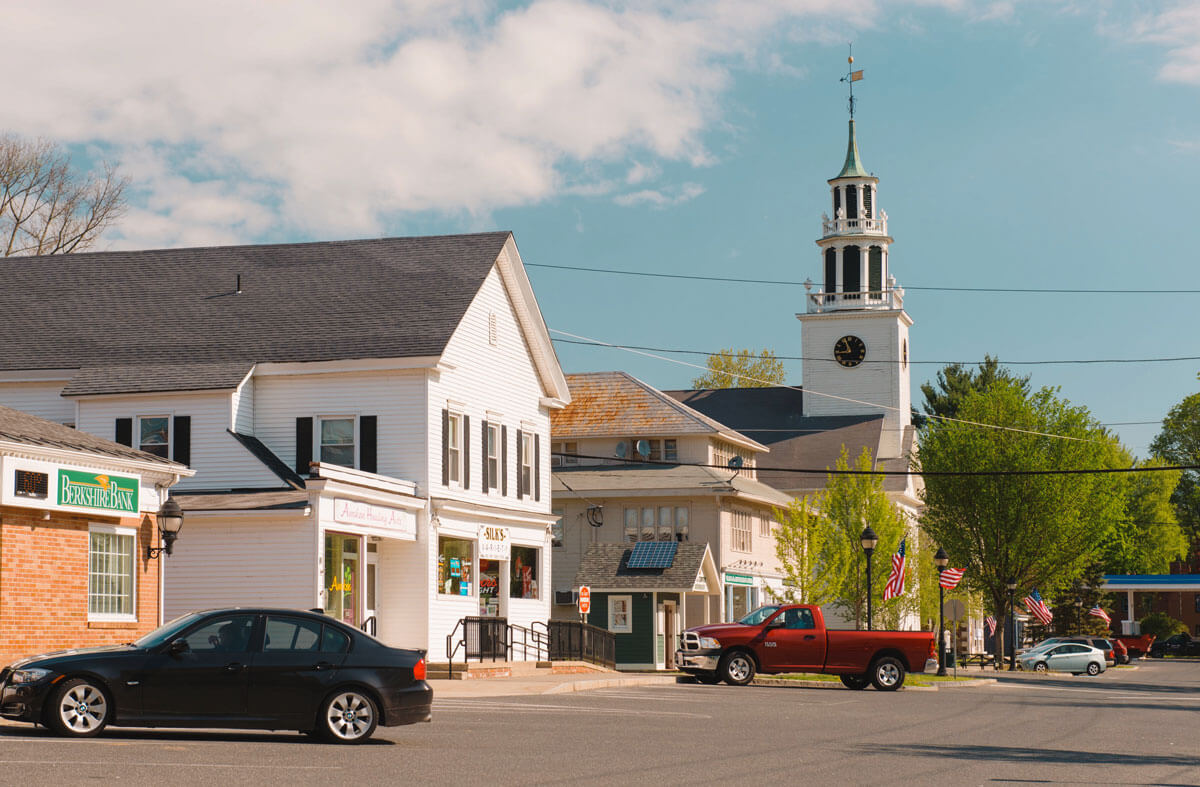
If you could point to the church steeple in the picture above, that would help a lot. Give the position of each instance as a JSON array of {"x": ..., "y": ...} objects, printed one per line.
[{"x": 853, "y": 167}]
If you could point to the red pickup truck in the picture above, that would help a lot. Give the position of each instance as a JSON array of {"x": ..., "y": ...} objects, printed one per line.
[{"x": 793, "y": 638}]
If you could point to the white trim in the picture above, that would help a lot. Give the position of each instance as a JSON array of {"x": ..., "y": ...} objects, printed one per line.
[
  {"x": 472, "y": 511},
  {"x": 117, "y": 530},
  {"x": 533, "y": 325},
  {"x": 628, "y": 627},
  {"x": 94, "y": 460},
  {"x": 368, "y": 483}
]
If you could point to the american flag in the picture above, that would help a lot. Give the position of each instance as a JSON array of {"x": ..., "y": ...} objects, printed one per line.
[
  {"x": 895, "y": 583},
  {"x": 951, "y": 577},
  {"x": 1100, "y": 614},
  {"x": 991, "y": 625},
  {"x": 1038, "y": 608}
]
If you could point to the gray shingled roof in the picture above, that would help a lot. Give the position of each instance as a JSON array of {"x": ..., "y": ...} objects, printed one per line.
[
  {"x": 20, "y": 427},
  {"x": 604, "y": 567},
  {"x": 774, "y": 417},
  {"x": 150, "y": 377},
  {"x": 257, "y": 500},
  {"x": 386, "y": 298},
  {"x": 615, "y": 479}
]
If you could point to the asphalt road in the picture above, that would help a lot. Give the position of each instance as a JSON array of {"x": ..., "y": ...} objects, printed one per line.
[{"x": 1124, "y": 727}]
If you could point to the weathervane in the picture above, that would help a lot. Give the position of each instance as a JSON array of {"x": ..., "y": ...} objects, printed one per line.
[{"x": 851, "y": 77}]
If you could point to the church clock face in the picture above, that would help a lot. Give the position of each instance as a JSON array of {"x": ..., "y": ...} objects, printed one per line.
[{"x": 849, "y": 351}]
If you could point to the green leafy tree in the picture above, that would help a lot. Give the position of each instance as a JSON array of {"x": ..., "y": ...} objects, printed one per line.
[
  {"x": 741, "y": 369},
  {"x": 956, "y": 381},
  {"x": 1072, "y": 604},
  {"x": 814, "y": 557},
  {"x": 1040, "y": 531},
  {"x": 1162, "y": 625},
  {"x": 1147, "y": 538},
  {"x": 851, "y": 502},
  {"x": 1179, "y": 444}
]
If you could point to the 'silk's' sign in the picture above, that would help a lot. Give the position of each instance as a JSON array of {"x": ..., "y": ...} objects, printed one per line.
[{"x": 92, "y": 490}]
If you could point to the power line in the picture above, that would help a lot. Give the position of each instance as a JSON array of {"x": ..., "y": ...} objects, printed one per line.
[
  {"x": 889, "y": 362},
  {"x": 738, "y": 280},
  {"x": 923, "y": 473}
]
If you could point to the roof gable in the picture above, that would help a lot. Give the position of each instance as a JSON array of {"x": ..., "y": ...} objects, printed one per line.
[{"x": 606, "y": 567}]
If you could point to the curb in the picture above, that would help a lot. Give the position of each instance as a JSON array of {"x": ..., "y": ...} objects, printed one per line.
[
  {"x": 832, "y": 684},
  {"x": 611, "y": 683}
]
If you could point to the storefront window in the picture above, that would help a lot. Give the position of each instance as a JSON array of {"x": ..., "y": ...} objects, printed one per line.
[
  {"x": 489, "y": 588},
  {"x": 524, "y": 573},
  {"x": 455, "y": 556},
  {"x": 110, "y": 573},
  {"x": 341, "y": 577}
]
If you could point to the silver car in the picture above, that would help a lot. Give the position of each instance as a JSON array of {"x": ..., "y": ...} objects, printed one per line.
[{"x": 1070, "y": 657}]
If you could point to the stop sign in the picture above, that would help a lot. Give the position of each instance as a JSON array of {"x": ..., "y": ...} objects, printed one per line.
[{"x": 585, "y": 600}]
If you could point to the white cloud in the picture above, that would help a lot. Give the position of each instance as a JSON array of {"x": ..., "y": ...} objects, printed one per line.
[
  {"x": 1178, "y": 29},
  {"x": 239, "y": 121}
]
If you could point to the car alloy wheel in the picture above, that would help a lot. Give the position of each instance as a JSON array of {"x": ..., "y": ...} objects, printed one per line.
[
  {"x": 737, "y": 668},
  {"x": 1041, "y": 666},
  {"x": 349, "y": 717},
  {"x": 79, "y": 708},
  {"x": 1093, "y": 668}
]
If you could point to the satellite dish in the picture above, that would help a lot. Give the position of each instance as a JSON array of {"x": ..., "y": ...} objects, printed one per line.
[
  {"x": 621, "y": 450},
  {"x": 735, "y": 463},
  {"x": 643, "y": 447}
]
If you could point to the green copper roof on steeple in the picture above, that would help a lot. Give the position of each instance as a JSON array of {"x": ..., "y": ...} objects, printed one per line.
[{"x": 853, "y": 167}]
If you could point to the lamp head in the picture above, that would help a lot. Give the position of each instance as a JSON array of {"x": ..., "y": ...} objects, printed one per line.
[
  {"x": 941, "y": 559},
  {"x": 868, "y": 539}
]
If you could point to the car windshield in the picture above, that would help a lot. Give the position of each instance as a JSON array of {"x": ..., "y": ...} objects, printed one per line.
[
  {"x": 166, "y": 632},
  {"x": 759, "y": 615}
]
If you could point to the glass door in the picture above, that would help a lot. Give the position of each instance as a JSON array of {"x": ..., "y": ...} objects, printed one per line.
[
  {"x": 372, "y": 587},
  {"x": 342, "y": 577}
]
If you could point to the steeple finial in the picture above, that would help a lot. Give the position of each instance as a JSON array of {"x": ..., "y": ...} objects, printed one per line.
[
  {"x": 851, "y": 77},
  {"x": 853, "y": 167}
]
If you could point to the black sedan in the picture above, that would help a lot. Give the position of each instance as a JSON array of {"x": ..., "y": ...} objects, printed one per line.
[
  {"x": 1176, "y": 645},
  {"x": 275, "y": 669}
]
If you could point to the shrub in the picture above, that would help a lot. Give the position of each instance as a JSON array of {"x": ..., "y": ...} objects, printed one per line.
[{"x": 1162, "y": 625}]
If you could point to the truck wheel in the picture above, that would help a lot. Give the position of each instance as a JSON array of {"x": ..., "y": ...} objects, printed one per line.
[
  {"x": 856, "y": 682},
  {"x": 737, "y": 668},
  {"x": 887, "y": 673}
]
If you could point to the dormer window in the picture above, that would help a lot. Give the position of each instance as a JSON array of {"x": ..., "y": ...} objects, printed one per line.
[{"x": 337, "y": 441}]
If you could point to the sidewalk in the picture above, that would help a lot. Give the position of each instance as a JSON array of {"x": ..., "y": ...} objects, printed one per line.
[{"x": 542, "y": 684}]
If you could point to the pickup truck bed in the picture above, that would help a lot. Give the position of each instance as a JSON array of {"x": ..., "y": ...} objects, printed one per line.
[{"x": 793, "y": 638}]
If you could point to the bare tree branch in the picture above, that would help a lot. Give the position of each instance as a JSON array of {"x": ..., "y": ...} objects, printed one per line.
[{"x": 45, "y": 207}]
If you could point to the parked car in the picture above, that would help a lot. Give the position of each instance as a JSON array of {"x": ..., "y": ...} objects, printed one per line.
[
  {"x": 1121, "y": 651},
  {"x": 1176, "y": 645},
  {"x": 1100, "y": 643},
  {"x": 1138, "y": 645},
  {"x": 244, "y": 668},
  {"x": 1073, "y": 657},
  {"x": 793, "y": 638}
]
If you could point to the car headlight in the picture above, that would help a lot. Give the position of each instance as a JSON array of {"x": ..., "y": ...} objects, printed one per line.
[
  {"x": 710, "y": 643},
  {"x": 31, "y": 675}
]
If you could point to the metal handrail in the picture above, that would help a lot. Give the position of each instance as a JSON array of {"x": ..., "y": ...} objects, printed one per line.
[
  {"x": 370, "y": 625},
  {"x": 541, "y": 644}
]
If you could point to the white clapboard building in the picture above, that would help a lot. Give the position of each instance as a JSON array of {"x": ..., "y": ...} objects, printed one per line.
[{"x": 368, "y": 421}]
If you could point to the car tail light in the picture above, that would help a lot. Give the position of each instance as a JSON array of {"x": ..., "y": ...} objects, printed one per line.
[{"x": 419, "y": 669}]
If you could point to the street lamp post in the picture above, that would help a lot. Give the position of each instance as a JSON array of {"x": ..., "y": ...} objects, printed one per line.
[
  {"x": 941, "y": 560},
  {"x": 868, "y": 539},
  {"x": 1012, "y": 624}
]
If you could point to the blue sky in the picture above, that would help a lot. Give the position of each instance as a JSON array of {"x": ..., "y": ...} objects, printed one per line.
[{"x": 1018, "y": 144}]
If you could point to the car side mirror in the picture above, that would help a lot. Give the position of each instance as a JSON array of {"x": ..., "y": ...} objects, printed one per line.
[{"x": 177, "y": 647}]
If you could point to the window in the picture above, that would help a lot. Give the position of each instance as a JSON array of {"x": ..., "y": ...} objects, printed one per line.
[
  {"x": 527, "y": 463},
  {"x": 524, "y": 564},
  {"x": 620, "y": 614},
  {"x": 454, "y": 446},
  {"x": 337, "y": 441},
  {"x": 334, "y": 641},
  {"x": 154, "y": 435},
  {"x": 631, "y": 524},
  {"x": 556, "y": 528},
  {"x": 455, "y": 556},
  {"x": 111, "y": 581},
  {"x": 798, "y": 618},
  {"x": 666, "y": 523},
  {"x": 741, "y": 531},
  {"x": 556, "y": 458},
  {"x": 648, "y": 523},
  {"x": 764, "y": 526},
  {"x": 661, "y": 523},
  {"x": 229, "y": 634},
  {"x": 285, "y": 634},
  {"x": 875, "y": 270},
  {"x": 492, "y": 450},
  {"x": 493, "y": 334},
  {"x": 681, "y": 523},
  {"x": 663, "y": 451}
]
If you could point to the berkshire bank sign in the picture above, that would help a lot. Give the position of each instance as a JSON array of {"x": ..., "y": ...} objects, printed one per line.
[{"x": 92, "y": 490}]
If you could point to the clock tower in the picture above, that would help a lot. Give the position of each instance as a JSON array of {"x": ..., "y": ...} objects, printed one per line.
[{"x": 855, "y": 329}]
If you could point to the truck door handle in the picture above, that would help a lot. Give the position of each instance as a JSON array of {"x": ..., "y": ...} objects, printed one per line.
[
  {"x": 236, "y": 666},
  {"x": 810, "y": 636},
  {"x": 321, "y": 665}
]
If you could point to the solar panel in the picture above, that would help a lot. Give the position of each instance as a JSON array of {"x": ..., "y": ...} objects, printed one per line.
[{"x": 652, "y": 554}]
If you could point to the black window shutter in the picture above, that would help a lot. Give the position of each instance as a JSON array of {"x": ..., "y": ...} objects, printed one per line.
[
  {"x": 466, "y": 451},
  {"x": 367, "y": 443},
  {"x": 304, "y": 438},
  {"x": 445, "y": 447},
  {"x": 485, "y": 483},
  {"x": 520, "y": 465},
  {"x": 504, "y": 460},
  {"x": 125, "y": 431},
  {"x": 181, "y": 440},
  {"x": 537, "y": 467}
]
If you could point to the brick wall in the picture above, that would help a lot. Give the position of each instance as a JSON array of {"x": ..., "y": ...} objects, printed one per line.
[{"x": 44, "y": 584}]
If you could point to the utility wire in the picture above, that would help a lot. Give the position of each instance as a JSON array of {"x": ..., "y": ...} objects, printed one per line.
[
  {"x": 831, "y": 396},
  {"x": 923, "y": 473},
  {"x": 737, "y": 280},
  {"x": 890, "y": 363}
]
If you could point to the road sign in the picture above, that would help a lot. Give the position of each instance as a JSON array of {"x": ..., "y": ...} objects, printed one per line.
[
  {"x": 954, "y": 609},
  {"x": 585, "y": 600}
]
